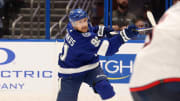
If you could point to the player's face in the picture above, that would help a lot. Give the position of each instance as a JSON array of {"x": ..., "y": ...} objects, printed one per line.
[{"x": 81, "y": 25}]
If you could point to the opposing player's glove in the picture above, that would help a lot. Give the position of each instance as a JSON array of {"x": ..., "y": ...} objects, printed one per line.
[{"x": 129, "y": 32}]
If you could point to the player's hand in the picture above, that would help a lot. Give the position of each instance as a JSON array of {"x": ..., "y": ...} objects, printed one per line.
[
  {"x": 107, "y": 30},
  {"x": 103, "y": 31},
  {"x": 131, "y": 31}
]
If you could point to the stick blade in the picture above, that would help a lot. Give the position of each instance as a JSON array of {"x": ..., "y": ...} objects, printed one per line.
[{"x": 151, "y": 18}]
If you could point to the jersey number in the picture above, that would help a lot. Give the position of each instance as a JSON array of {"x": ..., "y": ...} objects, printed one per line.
[
  {"x": 95, "y": 41},
  {"x": 63, "y": 56}
]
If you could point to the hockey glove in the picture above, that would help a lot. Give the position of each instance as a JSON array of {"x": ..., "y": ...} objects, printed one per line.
[
  {"x": 107, "y": 30},
  {"x": 129, "y": 32},
  {"x": 104, "y": 31}
]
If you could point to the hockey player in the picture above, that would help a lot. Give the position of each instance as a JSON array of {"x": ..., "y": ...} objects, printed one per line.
[
  {"x": 80, "y": 55},
  {"x": 156, "y": 74}
]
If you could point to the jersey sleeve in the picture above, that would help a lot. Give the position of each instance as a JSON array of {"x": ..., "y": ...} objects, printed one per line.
[
  {"x": 102, "y": 31},
  {"x": 99, "y": 30},
  {"x": 104, "y": 46}
]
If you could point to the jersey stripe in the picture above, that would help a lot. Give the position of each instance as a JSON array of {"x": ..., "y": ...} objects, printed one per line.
[
  {"x": 124, "y": 36},
  {"x": 78, "y": 70},
  {"x": 145, "y": 87}
]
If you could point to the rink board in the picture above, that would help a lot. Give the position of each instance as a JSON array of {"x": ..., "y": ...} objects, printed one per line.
[{"x": 28, "y": 70}]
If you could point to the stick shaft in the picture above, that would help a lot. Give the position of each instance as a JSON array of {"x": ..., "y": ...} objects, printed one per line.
[
  {"x": 139, "y": 30},
  {"x": 151, "y": 18},
  {"x": 144, "y": 29}
]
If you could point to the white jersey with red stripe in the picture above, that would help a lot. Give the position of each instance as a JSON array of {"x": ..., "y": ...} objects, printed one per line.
[{"x": 161, "y": 58}]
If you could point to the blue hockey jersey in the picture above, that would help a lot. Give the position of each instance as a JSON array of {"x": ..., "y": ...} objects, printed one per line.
[{"x": 80, "y": 52}]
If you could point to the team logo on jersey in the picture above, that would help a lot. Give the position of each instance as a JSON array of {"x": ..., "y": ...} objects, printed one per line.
[
  {"x": 6, "y": 58},
  {"x": 86, "y": 34}
]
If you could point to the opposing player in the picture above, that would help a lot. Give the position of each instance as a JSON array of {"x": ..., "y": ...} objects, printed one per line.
[
  {"x": 156, "y": 74},
  {"x": 80, "y": 55}
]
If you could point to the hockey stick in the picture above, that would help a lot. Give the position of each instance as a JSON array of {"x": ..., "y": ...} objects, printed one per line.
[
  {"x": 151, "y": 18},
  {"x": 139, "y": 30},
  {"x": 144, "y": 29}
]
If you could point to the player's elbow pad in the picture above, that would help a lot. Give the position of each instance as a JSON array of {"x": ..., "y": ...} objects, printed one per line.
[
  {"x": 103, "y": 48},
  {"x": 110, "y": 46},
  {"x": 106, "y": 49}
]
